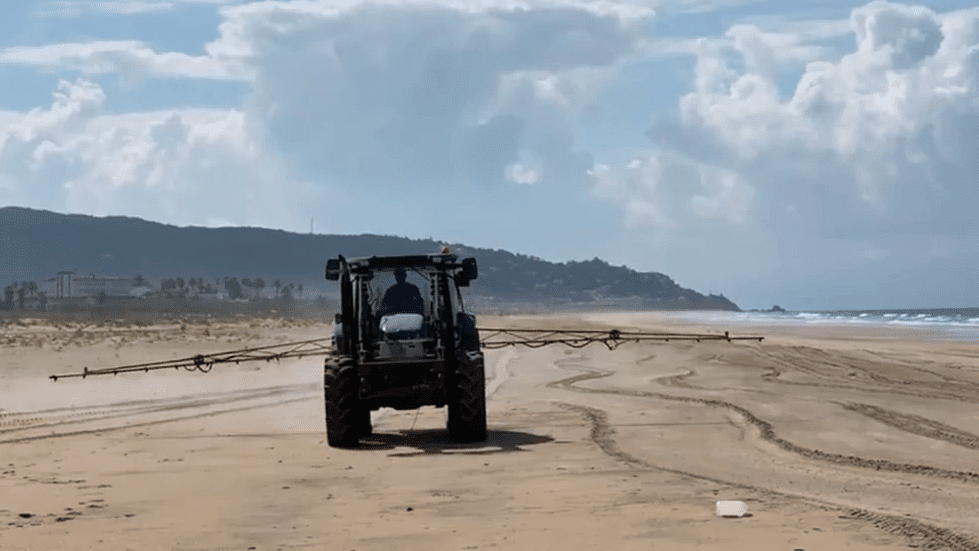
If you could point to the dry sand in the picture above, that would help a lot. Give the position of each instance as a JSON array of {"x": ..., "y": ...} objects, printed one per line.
[{"x": 836, "y": 438}]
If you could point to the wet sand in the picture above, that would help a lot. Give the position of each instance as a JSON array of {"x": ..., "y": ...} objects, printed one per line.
[{"x": 836, "y": 438}]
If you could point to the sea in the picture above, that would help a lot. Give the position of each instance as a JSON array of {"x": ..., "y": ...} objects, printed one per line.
[{"x": 953, "y": 323}]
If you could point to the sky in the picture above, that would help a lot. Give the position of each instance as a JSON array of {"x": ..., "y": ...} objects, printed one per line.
[{"x": 815, "y": 155}]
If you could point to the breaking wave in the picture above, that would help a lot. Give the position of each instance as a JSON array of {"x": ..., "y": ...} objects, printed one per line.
[{"x": 956, "y": 322}]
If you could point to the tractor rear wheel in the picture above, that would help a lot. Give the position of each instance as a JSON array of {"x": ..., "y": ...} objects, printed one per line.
[
  {"x": 344, "y": 414},
  {"x": 467, "y": 400}
]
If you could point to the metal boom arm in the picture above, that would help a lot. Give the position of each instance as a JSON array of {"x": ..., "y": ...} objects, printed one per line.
[
  {"x": 537, "y": 338},
  {"x": 205, "y": 362},
  {"x": 492, "y": 338}
]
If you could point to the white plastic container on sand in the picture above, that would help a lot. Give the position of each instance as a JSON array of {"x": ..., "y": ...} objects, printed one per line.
[{"x": 732, "y": 509}]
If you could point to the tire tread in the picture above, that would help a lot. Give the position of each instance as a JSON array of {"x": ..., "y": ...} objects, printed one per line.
[
  {"x": 344, "y": 414},
  {"x": 467, "y": 404}
]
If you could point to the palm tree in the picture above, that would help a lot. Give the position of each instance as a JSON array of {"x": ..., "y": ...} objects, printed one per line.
[
  {"x": 8, "y": 296},
  {"x": 233, "y": 287},
  {"x": 277, "y": 284}
]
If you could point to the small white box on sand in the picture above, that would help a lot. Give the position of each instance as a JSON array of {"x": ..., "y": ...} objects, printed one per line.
[{"x": 735, "y": 509}]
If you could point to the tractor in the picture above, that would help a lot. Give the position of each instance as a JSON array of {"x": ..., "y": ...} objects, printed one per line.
[{"x": 403, "y": 340}]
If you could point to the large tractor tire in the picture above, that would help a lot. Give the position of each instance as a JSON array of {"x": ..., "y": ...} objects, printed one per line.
[
  {"x": 467, "y": 400},
  {"x": 344, "y": 414}
]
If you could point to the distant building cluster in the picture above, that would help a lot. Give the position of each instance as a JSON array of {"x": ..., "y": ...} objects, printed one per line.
[
  {"x": 68, "y": 290},
  {"x": 67, "y": 285}
]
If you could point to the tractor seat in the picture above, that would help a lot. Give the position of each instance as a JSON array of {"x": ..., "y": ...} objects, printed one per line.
[{"x": 402, "y": 326}]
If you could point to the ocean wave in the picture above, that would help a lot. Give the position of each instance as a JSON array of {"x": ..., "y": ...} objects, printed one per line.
[{"x": 946, "y": 318}]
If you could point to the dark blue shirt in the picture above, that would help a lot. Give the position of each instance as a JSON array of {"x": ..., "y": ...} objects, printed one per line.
[{"x": 402, "y": 298}]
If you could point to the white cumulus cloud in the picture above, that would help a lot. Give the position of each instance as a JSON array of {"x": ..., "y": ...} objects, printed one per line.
[
  {"x": 424, "y": 93},
  {"x": 856, "y": 170},
  {"x": 369, "y": 97},
  {"x": 441, "y": 91},
  {"x": 75, "y": 8},
  {"x": 131, "y": 59},
  {"x": 881, "y": 139},
  {"x": 187, "y": 166}
]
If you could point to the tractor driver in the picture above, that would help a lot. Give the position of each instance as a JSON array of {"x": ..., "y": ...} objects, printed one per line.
[{"x": 402, "y": 297}]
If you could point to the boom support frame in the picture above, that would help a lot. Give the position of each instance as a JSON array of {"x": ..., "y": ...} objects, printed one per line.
[{"x": 493, "y": 338}]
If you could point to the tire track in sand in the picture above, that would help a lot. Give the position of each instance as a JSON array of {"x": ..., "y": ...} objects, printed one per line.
[
  {"x": 767, "y": 432},
  {"x": 919, "y": 534},
  {"x": 838, "y": 371},
  {"x": 133, "y": 414},
  {"x": 916, "y": 425},
  {"x": 912, "y": 424}
]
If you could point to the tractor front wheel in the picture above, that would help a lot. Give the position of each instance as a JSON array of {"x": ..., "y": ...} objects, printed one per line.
[{"x": 344, "y": 414}]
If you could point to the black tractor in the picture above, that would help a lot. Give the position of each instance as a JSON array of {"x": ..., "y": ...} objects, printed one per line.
[{"x": 402, "y": 340}]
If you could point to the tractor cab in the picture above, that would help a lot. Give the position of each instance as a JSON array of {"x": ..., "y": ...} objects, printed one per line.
[{"x": 403, "y": 340}]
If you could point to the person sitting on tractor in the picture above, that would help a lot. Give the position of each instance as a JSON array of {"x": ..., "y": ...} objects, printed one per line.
[{"x": 402, "y": 297}]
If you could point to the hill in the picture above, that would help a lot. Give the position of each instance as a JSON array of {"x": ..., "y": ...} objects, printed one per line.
[{"x": 36, "y": 244}]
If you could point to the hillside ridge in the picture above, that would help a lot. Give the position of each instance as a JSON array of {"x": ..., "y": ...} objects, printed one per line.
[{"x": 36, "y": 244}]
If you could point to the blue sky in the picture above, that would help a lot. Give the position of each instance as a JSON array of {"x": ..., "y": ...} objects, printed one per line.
[{"x": 814, "y": 155}]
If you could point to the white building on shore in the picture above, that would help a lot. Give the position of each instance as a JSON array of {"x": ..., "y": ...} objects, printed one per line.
[{"x": 68, "y": 285}]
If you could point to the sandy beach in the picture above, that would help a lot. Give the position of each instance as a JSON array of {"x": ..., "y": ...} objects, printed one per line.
[{"x": 836, "y": 438}]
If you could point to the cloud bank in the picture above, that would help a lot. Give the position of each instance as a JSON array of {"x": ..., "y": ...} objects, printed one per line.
[
  {"x": 133, "y": 60},
  {"x": 886, "y": 132},
  {"x": 868, "y": 160},
  {"x": 75, "y": 8},
  {"x": 788, "y": 159},
  {"x": 404, "y": 97},
  {"x": 432, "y": 94},
  {"x": 186, "y": 167}
]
